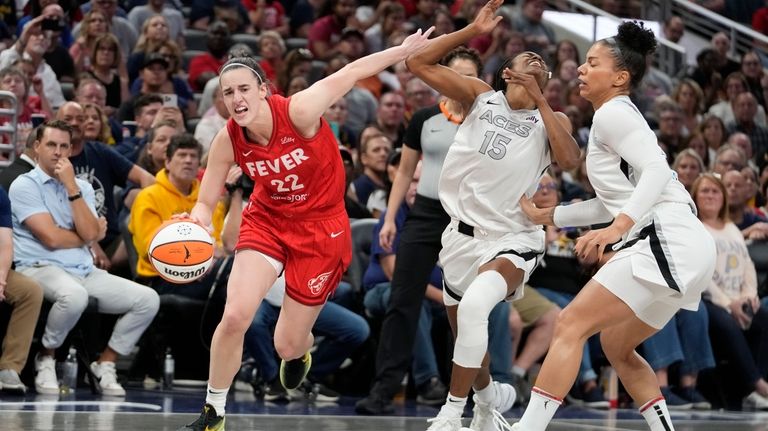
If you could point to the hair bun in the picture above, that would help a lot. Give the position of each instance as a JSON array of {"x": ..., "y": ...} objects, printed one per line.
[{"x": 635, "y": 36}]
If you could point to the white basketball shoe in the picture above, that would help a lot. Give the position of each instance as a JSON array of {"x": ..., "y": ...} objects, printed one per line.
[{"x": 488, "y": 417}]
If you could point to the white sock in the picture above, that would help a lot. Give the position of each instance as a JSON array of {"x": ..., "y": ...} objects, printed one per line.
[
  {"x": 217, "y": 398},
  {"x": 518, "y": 371},
  {"x": 453, "y": 407},
  {"x": 541, "y": 408},
  {"x": 656, "y": 414},
  {"x": 487, "y": 394}
]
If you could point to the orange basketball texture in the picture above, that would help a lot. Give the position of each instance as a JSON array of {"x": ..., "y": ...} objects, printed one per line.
[{"x": 181, "y": 251}]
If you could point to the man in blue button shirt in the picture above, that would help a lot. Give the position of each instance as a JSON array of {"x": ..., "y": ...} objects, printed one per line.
[{"x": 54, "y": 222}]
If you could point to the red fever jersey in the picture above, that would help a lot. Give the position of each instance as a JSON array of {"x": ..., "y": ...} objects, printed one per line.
[
  {"x": 294, "y": 177},
  {"x": 296, "y": 211}
]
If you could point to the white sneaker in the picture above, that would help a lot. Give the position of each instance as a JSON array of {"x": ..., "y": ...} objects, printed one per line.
[
  {"x": 105, "y": 372},
  {"x": 486, "y": 416},
  {"x": 516, "y": 426},
  {"x": 443, "y": 423},
  {"x": 46, "y": 382},
  {"x": 11, "y": 382},
  {"x": 756, "y": 401}
]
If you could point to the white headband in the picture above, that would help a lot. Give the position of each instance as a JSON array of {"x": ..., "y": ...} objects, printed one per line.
[{"x": 242, "y": 65}]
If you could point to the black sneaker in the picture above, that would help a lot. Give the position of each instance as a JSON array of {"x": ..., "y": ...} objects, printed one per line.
[
  {"x": 694, "y": 396},
  {"x": 432, "y": 392},
  {"x": 374, "y": 405},
  {"x": 275, "y": 392},
  {"x": 293, "y": 372},
  {"x": 314, "y": 392},
  {"x": 523, "y": 389},
  {"x": 208, "y": 421}
]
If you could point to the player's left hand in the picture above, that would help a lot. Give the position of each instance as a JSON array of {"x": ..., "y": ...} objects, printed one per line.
[
  {"x": 526, "y": 81},
  {"x": 595, "y": 241},
  {"x": 536, "y": 214}
]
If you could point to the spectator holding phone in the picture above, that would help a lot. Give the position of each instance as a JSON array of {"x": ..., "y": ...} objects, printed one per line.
[{"x": 738, "y": 325}]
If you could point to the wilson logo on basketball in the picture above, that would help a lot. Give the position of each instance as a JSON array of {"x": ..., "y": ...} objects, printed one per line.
[
  {"x": 187, "y": 253},
  {"x": 316, "y": 284},
  {"x": 186, "y": 275}
]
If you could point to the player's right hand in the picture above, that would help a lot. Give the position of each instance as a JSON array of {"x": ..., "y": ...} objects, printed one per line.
[{"x": 387, "y": 235}]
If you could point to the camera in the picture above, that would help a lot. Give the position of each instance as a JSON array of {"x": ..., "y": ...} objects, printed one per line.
[{"x": 53, "y": 24}]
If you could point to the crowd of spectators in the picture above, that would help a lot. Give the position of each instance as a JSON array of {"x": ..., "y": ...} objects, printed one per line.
[{"x": 129, "y": 94}]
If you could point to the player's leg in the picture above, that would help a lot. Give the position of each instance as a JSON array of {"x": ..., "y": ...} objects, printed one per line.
[
  {"x": 252, "y": 275},
  {"x": 293, "y": 339},
  {"x": 577, "y": 322}
]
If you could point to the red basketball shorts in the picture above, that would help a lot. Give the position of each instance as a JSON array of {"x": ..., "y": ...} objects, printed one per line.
[{"x": 314, "y": 253}]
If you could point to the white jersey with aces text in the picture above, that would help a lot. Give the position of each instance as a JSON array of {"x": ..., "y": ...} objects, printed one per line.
[{"x": 498, "y": 155}]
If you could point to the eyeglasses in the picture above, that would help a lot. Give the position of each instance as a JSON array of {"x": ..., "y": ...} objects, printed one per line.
[{"x": 550, "y": 186}]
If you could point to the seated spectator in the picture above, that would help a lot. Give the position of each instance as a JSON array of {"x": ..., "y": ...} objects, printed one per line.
[
  {"x": 206, "y": 66},
  {"x": 514, "y": 44},
  {"x": 157, "y": 76},
  {"x": 142, "y": 111},
  {"x": 25, "y": 296},
  {"x": 118, "y": 24},
  {"x": 298, "y": 62},
  {"x": 14, "y": 80},
  {"x": 688, "y": 95},
  {"x": 93, "y": 26},
  {"x": 54, "y": 221},
  {"x": 57, "y": 55},
  {"x": 655, "y": 83},
  {"x": 744, "y": 111},
  {"x": 108, "y": 67},
  {"x": 213, "y": 120},
  {"x": 752, "y": 69},
  {"x": 751, "y": 224},
  {"x": 173, "y": 17},
  {"x": 736, "y": 336},
  {"x": 23, "y": 163},
  {"x": 33, "y": 43},
  {"x": 697, "y": 143},
  {"x": 271, "y": 50},
  {"x": 559, "y": 278},
  {"x": 93, "y": 91},
  {"x": 96, "y": 127},
  {"x": 325, "y": 33},
  {"x": 728, "y": 158},
  {"x": 154, "y": 32},
  {"x": 232, "y": 12},
  {"x": 734, "y": 85},
  {"x": 267, "y": 15},
  {"x": 706, "y": 75},
  {"x": 688, "y": 166},
  {"x": 712, "y": 130},
  {"x": 336, "y": 116},
  {"x": 721, "y": 43},
  {"x": 175, "y": 192},
  {"x": 742, "y": 142},
  {"x": 104, "y": 169},
  {"x": 539, "y": 37},
  {"x": 391, "y": 16},
  {"x": 153, "y": 155},
  {"x": 673, "y": 29},
  {"x": 670, "y": 130},
  {"x": 38, "y": 8},
  {"x": 373, "y": 156},
  {"x": 390, "y": 118}
]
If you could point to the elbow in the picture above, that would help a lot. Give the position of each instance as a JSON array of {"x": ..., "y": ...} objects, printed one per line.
[{"x": 414, "y": 64}]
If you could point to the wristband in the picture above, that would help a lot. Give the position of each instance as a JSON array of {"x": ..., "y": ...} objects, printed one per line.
[{"x": 75, "y": 196}]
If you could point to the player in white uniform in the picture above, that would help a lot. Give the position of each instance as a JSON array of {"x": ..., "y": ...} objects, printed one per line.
[
  {"x": 664, "y": 256},
  {"x": 490, "y": 247}
]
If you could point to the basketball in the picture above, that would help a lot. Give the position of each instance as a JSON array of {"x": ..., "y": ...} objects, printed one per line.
[{"x": 181, "y": 251}]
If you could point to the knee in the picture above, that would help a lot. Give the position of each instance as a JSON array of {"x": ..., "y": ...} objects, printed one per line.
[
  {"x": 358, "y": 332},
  {"x": 290, "y": 347},
  {"x": 549, "y": 319},
  {"x": 568, "y": 325},
  {"x": 151, "y": 301},
  {"x": 235, "y": 321},
  {"x": 74, "y": 301},
  {"x": 470, "y": 313}
]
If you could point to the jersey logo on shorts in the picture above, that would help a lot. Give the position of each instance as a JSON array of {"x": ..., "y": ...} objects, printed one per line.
[{"x": 316, "y": 284}]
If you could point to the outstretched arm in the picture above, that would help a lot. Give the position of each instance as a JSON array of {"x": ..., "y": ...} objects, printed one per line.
[
  {"x": 449, "y": 83},
  {"x": 308, "y": 106}
]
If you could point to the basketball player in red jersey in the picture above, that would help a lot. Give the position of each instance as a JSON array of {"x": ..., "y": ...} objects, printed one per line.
[{"x": 295, "y": 219}]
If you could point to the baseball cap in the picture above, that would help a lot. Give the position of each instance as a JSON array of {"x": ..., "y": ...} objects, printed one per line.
[
  {"x": 351, "y": 32},
  {"x": 156, "y": 57}
]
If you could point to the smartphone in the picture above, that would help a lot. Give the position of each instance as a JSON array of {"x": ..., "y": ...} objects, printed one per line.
[
  {"x": 171, "y": 100},
  {"x": 51, "y": 24}
]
